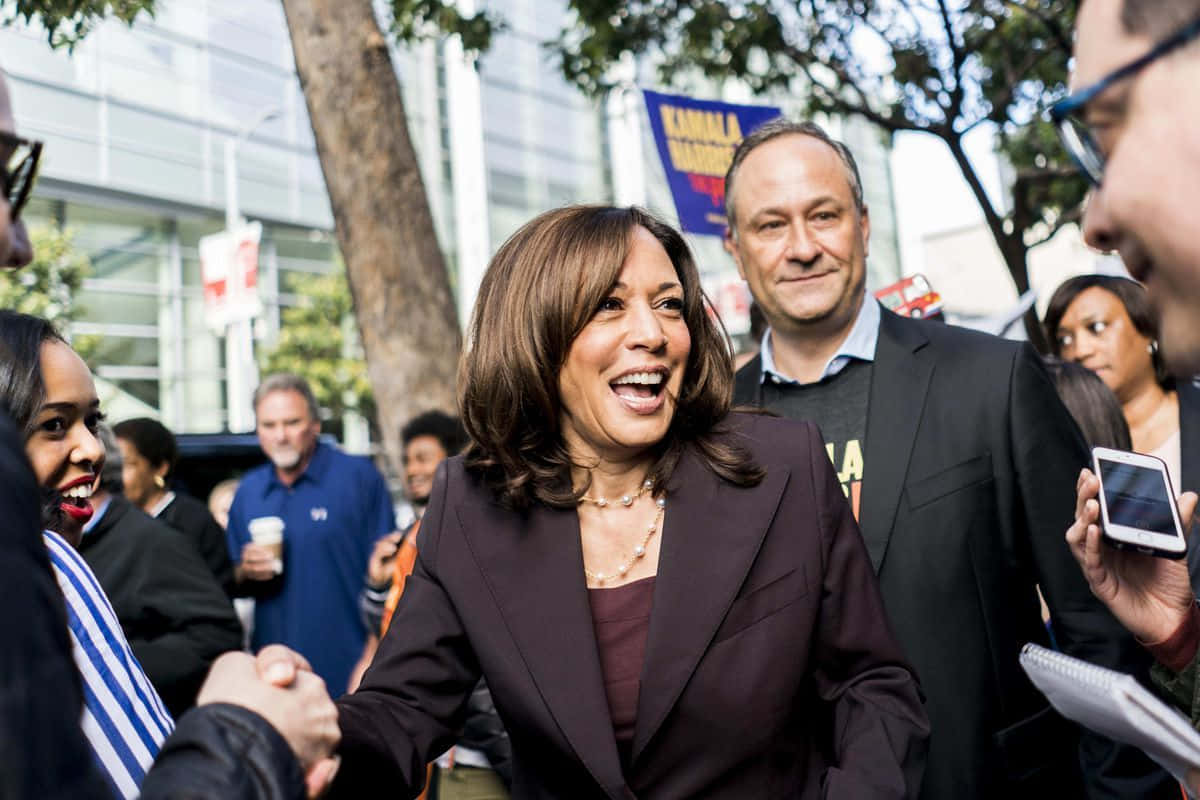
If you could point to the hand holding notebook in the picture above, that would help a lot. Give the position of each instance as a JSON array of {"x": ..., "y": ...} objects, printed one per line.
[{"x": 1116, "y": 705}]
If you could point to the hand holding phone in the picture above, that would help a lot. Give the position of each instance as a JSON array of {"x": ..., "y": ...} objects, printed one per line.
[
  {"x": 1137, "y": 504},
  {"x": 1149, "y": 596}
]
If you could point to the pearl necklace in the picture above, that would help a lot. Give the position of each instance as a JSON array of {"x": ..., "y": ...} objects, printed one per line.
[
  {"x": 639, "y": 550},
  {"x": 626, "y": 499}
]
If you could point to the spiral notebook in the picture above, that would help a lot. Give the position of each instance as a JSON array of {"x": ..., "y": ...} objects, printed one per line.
[{"x": 1114, "y": 704}]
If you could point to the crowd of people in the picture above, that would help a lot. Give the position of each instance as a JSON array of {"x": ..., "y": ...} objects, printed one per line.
[{"x": 635, "y": 571}]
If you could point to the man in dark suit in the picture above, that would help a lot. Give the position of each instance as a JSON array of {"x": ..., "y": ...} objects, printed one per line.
[{"x": 960, "y": 462}]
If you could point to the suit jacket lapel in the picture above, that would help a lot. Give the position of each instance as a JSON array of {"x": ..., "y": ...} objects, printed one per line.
[
  {"x": 534, "y": 568},
  {"x": 899, "y": 381},
  {"x": 712, "y": 534},
  {"x": 747, "y": 383},
  {"x": 1189, "y": 435},
  {"x": 116, "y": 509}
]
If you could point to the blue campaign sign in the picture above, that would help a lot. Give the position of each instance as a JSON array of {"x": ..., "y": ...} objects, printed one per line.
[{"x": 696, "y": 139}]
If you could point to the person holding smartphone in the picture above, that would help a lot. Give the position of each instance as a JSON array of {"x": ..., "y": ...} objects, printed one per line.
[
  {"x": 1130, "y": 123},
  {"x": 1150, "y": 595},
  {"x": 1136, "y": 62}
]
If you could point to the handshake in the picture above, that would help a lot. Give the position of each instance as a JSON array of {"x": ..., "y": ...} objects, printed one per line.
[{"x": 278, "y": 684}]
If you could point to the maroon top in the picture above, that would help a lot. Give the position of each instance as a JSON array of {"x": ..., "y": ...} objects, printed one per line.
[{"x": 621, "y": 617}]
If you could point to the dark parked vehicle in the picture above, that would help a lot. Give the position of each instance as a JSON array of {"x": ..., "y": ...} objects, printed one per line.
[{"x": 206, "y": 459}]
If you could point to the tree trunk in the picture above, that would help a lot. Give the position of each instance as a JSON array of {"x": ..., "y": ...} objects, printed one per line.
[
  {"x": 402, "y": 299},
  {"x": 1012, "y": 246},
  {"x": 1016, "y": 258}
]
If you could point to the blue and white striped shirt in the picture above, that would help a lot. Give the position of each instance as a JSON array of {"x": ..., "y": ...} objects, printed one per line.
[{"x": 123, "y": 718}]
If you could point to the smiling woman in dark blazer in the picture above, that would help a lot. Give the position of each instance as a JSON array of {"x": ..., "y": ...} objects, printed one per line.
[{"x": 667, "y": 600}]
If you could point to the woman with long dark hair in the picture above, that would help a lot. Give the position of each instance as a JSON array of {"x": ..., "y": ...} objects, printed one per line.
[
  {"x": 48, "y": 391},
  {"x": 667, "y": 600}
]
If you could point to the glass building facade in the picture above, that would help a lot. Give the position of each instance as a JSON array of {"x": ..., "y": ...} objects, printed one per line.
[{"x": 136, "y": 122}]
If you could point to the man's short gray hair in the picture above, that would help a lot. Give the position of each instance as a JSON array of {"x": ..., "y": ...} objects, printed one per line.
[
  {"x": 782, "y": 126},
  {"x": 287, "y": 382},
  {"x": 110, "y": 473}
]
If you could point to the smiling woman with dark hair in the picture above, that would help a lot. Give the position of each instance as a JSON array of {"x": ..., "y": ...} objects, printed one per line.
[
  {"x": 667, "y": 600},
  {"x": 49, "y": 392},
  {"x": 31, "y": 351}
]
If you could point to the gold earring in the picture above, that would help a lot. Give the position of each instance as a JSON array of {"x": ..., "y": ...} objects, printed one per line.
[{"x": 159, "y": 482}]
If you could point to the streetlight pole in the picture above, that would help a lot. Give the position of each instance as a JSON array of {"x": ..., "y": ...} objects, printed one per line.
[
  {"x": 623, "y": 110},
  {"x": 241, "y": 370}
]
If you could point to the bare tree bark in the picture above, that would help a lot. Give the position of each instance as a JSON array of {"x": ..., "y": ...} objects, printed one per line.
[{"x": 402, "y": 298}]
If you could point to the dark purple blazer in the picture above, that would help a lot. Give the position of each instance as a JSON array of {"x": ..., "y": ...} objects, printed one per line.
[{"x": 770, "y": 671}]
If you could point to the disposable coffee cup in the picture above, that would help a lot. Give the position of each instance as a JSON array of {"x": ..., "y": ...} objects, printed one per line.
[{"x": 268, "y": 532}]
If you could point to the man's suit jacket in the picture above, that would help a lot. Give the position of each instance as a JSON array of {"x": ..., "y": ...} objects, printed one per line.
[
  {"x": 192, "y": 518},
  {"x": 1188, "y": 392},
  {"x": 769, "y": 670},
  {"x": 175, "y": 615},
  {"x": 969, "y": 486}
]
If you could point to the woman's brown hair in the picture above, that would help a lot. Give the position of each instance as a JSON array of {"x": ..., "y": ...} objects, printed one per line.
[{"x": 540, "y": 290}]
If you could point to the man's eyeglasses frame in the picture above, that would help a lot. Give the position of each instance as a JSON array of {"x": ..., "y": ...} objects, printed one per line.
[
  {"x": 17, "y": 182},
  {"x": 1074, "y": 131}
]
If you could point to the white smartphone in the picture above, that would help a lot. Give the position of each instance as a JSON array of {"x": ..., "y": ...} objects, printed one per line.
[{"x": 1137, "y": 505}]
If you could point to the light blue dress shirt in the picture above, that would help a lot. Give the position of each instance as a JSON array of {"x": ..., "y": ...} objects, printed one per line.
[{"x": 859, "y": 344}]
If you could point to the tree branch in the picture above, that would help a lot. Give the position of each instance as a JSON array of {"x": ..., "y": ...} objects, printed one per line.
[
  {"x": 1073, "y": 216},
  {"x": 993, "y": 219},
  {"x": 1043, "y": 175},
  {"x": 958, "y": 62},
  {"x": 833, "y": 102},
  {"x": 1061, "y": 36}
]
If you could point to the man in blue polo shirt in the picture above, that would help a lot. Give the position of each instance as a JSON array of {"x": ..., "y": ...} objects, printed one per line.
[{"x": 333, "y": 507}]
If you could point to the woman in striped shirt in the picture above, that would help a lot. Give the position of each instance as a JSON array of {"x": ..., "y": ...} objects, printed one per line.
[{"x": 50, "y": 394}]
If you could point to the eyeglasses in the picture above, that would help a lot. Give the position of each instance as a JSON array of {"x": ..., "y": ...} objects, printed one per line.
[
  {"x": 19, "y": 171},
  {"x": 1076, "y": 134}
]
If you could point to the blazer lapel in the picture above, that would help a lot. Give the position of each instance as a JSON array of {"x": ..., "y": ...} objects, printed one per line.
[
  {"x": 712, "y": 534},
  {"x": 899, "y": 382},
  {"x": 117, "y": 506},
  {"x": 533, "y": 566},
  {"x": 747, "y": 383},
  {"x": 1189, "y": 434}
]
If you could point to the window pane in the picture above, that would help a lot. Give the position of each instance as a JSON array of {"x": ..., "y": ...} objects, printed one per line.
[
  {"x": 123, "y": 245},
  {"x": 117, "y": 307},
  {"x": 124, "y": 351}
]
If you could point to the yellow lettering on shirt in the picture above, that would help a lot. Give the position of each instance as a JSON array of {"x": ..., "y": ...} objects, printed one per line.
[{"x": 852, "y": 463}]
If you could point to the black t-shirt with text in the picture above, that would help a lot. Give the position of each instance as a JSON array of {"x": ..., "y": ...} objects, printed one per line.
[{"x": 838, "y": 405}]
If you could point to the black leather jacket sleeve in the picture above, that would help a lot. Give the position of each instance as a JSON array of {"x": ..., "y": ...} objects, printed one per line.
[
  {"x": 483, "y": 731},
  {"x": 224, "y": 752}
]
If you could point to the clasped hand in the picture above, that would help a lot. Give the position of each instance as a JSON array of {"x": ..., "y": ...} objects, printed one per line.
[{"x": 279, "y": 685}]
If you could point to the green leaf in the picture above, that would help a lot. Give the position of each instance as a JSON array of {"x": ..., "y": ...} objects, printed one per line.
[{"x": 67, "y": 22}]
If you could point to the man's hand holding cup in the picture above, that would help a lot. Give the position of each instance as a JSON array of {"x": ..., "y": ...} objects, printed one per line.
[{"x": 262, "y": 556}]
